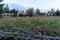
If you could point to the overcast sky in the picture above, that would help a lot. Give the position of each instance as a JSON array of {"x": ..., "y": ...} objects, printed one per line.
[{"x": 41, "y": 4}]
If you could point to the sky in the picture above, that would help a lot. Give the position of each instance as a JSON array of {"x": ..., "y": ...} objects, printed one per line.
[{"x": 41, "y": 4}]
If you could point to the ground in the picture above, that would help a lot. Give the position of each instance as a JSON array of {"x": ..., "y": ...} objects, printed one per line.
[{"x": 49, "y": 24}]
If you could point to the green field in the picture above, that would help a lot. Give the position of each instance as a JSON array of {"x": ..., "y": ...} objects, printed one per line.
[{"x": 49, "y": 24}]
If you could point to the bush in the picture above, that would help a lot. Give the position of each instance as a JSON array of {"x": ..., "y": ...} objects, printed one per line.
[{"x": 30, "y": 12}]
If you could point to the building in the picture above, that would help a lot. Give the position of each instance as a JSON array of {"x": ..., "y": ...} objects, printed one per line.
[
  {"x": 12, "y": 14},
  {"x": 35, "y": 14},
  {"x": 50, "y": 14},
  {"x": 21, "y": 13},
  {"x": 7, "y": 14}
]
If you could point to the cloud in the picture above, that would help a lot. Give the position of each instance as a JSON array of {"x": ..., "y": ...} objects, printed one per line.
[
  {"x": 9, "y": 1},
  {"x": 41, "y": 4}
]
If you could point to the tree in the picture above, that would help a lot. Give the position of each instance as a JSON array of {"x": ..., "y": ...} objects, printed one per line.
[
  {"x": 57, "y": 13},
  {"x": 1, "y": 8},
  {"x": 14, "y": 11},
  {"x": 38, "y": 11},
  {"x": 27, "y": 11},
  {"x": 51, "y": 11},
  {"x": 6, "y": 9},
  {"x": 30, "y": 11}
]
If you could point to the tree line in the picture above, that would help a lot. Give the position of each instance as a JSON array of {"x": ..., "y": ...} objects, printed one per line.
[{"x": 29, "y": 11}]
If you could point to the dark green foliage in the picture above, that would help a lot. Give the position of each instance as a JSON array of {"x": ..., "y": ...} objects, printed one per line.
[
  {"x": 38, "y": 11},
  {"x": 30, "y": 11},
  {"x": 57, "y": 13},
  {"x": 6, "y": 9},
  {"x": 1, "y": 10},
  {"x": 14, "y": 11},
  {"x": 1, "y": 7},
  {"x": 27, "y": 11}
]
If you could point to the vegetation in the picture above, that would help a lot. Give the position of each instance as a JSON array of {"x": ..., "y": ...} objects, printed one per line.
[
  {"x": 6, "y": 9},
  {"x": 30, "y": 12},
  {"x": 14, "y": 11},
  {"x": 57, "y": 13},
  {"x": 49, "y": 24},
  {"x": 38, "y": 11},
  {"x": 1, "y": 8}
]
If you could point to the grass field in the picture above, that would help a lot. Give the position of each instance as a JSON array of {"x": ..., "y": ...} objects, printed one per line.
[{"x": 50, "y": 24}]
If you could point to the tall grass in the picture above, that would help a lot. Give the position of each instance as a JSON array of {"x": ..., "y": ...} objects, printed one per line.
[{"x": 50, "y": 24}]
